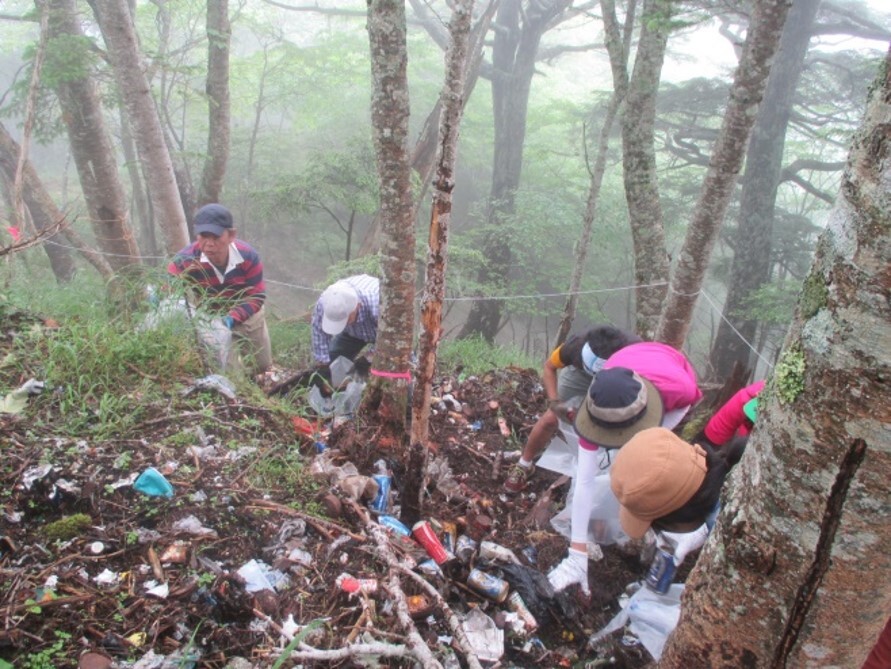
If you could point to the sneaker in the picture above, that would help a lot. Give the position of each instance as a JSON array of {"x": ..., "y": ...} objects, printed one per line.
[{"x": 517, "y": 477}]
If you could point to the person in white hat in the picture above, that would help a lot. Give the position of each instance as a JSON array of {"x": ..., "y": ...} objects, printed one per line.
[{"x": 345, "y": 319}]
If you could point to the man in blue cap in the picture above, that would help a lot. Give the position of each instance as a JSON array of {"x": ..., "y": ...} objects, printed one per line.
[{"x": 227, "y": 274}]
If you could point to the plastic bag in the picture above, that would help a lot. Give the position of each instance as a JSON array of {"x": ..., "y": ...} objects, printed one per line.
[
  {"x": 603, "y": 526},
  {"x": 217, "y": 339},
  {"x": 650, "y": 617}
]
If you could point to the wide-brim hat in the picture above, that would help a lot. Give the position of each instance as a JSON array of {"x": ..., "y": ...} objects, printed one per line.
[{"x": 619, "y": 404}]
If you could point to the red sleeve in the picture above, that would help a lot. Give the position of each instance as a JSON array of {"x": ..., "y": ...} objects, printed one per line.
[
  {"x": 880, "y": 656},
  {"x": 730, "y": 418}
]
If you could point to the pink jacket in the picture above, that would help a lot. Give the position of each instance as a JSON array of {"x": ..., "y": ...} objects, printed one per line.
[{"x": 665, "y": 367}]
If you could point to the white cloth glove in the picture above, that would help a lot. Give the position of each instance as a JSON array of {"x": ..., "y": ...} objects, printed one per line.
[
  {"x": 684, "y": 542},
  {"x": 573, "y": 569}
]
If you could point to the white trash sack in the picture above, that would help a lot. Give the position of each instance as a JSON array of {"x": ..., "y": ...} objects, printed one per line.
[{"x": 650, "y": 617}]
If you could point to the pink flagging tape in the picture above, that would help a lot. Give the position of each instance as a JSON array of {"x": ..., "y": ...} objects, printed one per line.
[{"x": 391, "y": 375}]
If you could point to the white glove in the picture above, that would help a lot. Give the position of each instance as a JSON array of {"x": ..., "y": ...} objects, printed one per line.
[
  {"x": 684, "y": 542},
  {"x": 573, "y": 569}
]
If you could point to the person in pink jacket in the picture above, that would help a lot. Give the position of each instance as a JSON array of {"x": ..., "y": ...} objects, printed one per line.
[
  {"x": 641, "y": 386},
  {"x": 735, "y": 417}
]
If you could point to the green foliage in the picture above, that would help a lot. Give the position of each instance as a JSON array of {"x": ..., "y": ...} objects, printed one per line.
[
  {"x": 50, "y": 657},
  {"x": 788, "y": 377},
  {"x": 772, "y": 303},
  {"x": 474, "y": 355},
  {"x": 68, "y": 58},
  {"x": 282, "y": 468},
  {"x": 68, "y": 527}
]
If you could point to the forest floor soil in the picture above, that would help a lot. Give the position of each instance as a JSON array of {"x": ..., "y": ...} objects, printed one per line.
[{"x": 98, "y": 574}]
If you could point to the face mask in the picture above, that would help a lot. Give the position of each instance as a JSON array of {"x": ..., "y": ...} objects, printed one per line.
[{"x": 592, "y": 363}]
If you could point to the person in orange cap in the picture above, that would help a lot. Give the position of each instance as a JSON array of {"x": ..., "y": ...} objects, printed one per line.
[{"x": 663, "y": 482}]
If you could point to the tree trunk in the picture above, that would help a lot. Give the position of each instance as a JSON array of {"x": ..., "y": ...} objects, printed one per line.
[
  {"x": 388, "y": 390},
  {"x": 513, "y": 58},
  {"x": 91, "y": 145},
  {"x": 139, "y": 205},
  {"x": 651, "y": 265},
  {"x": 452, "y": 100},
  {"x": 44, "y": 212},
  {"x": 423, "y": 155},
  {"x": 762, "y": 40},
  {"x": 617, "y": 47},
  {"x": 219, "y": 34},
  {"x": 796, "y": 572},
  {"x": 120, "y": 38},
  {"x": 764, "y": 161}
]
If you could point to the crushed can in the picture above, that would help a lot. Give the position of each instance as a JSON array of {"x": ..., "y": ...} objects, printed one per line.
[
  {"x": 449, "y": 535},
  {"x": 381, "y": 501},
  {"x": 516, "y": 604},
  {"x": 353, "y": 585},
  {"x": 492, "y": 552},
  {"x": 661, "y": 572},
  {"x": 489, "y": 586},
  {"x": 465, "y": 548},
  {"x": 394, "y": 525}
]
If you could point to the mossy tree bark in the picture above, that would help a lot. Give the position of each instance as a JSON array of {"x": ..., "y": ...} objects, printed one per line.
[{"x": 798, "y": 569}]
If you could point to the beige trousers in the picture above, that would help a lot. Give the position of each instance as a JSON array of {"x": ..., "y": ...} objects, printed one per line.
[{"x": 251, "y": 341}]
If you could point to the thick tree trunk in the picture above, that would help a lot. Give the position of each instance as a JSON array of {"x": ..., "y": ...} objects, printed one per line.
[
  {"x": 44, "y": 212},
  {"x": 219, "y": 35},
  {"x": 423, "y": 155},
  {"x": 796, "y": 572},
  {"x": 91, "y": 146},
  {"x": 762, "y": 40},
  {"x": 764, "y": 162},
  {"x": 389, "y": 116},
  {"x": 617, "y": 47},
  {"x": 139, "y": 205},
  {"x": 452, "y": 101},
  {"x": 651, "y": 266},
  {"x": 513, "y": 58},
  {"x": 120, "y": 38}
]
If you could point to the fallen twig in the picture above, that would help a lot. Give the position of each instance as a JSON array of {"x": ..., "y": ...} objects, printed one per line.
[{"x": 317, "y": 523}]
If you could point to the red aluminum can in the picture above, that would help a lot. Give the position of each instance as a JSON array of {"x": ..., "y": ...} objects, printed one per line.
[{"x": 425, "y": 535}]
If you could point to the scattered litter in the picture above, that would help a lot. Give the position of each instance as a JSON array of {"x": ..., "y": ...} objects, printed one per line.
[
  {"x": 16, "y": 401},
  {"x": 215, "y": 382},
  {"x": 147, "y": 536},
  {"x": 352, "y": 585},
  {"x": 486, "y": 640},
  {"x": 34, "y": 474},
  {"x": 107, "y": 577},
  {"x": 155, "y": 589},
  {"x": 175, "y": 553},
  {"x": 193, "y": 526},
  {"x": 650, "y": 617},
  {"x": 240, "y": 452},
  {"x": 152, "y": 483},
  {"x": 259, "y": 576},
  {"x": 97, "y": 548}
]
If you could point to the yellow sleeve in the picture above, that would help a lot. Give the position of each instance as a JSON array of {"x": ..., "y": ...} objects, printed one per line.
[{"x": 555, "y": 360}]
